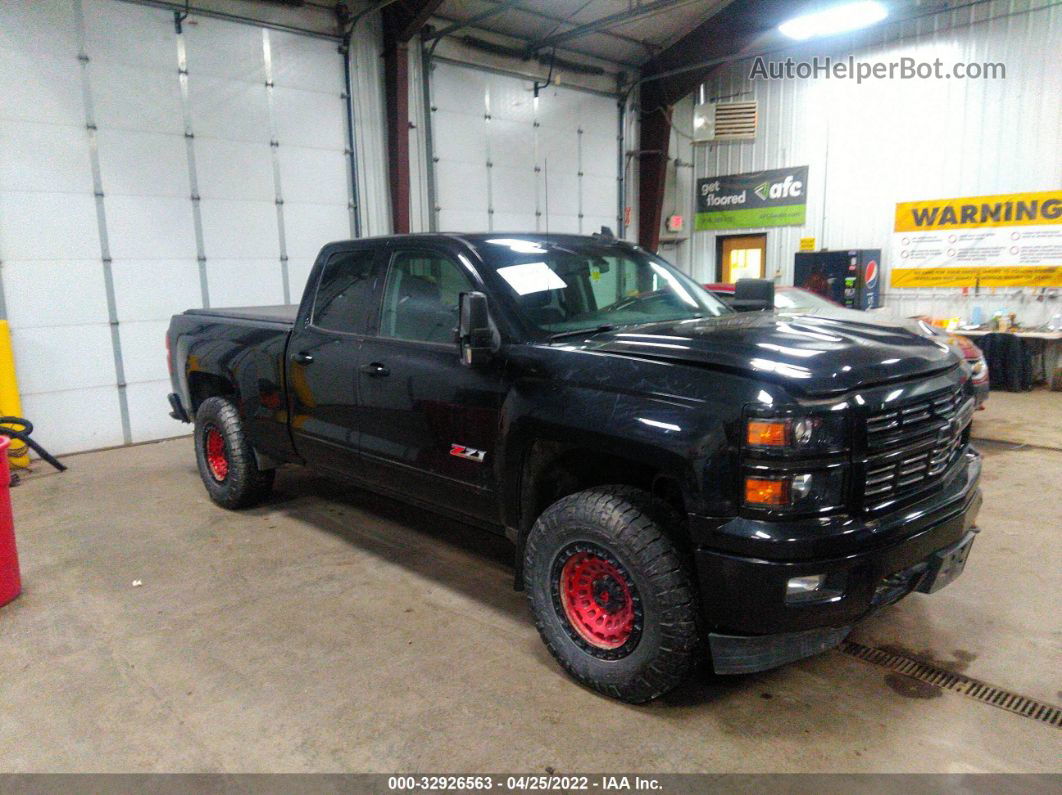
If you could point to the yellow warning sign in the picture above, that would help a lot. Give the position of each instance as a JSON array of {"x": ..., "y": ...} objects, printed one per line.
[
  {"x": 1009, "y": 240},
  {"x": 998, "y": 276},
  {"x": 1010, "y": 209}
]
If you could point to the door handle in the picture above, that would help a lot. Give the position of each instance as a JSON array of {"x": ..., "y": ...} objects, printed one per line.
[
  {"x": 375, "y": 369},
  {"x": 302, "y": 357}
]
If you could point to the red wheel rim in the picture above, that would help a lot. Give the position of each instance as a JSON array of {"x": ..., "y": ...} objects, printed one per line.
[
  {"x": 216, "y": 458},
  {"x": 597, "y": 600}
]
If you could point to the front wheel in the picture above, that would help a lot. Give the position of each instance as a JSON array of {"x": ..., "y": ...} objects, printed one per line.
[
  {"x": 225, "y": 457},
  {"x": 611, "y": 596}
]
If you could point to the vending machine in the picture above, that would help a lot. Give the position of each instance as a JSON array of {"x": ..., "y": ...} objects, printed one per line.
[{"x": 849, "y": 278}]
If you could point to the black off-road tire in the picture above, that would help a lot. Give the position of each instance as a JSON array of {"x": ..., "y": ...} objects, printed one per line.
[
  {"x": 625, "y": 530},
  {"x": 234, "y": 481}
]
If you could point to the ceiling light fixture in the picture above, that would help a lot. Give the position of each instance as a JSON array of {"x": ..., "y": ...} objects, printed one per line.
[{"x": 834, "y": 20}]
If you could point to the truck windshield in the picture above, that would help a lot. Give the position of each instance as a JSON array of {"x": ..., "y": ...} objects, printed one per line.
[{"x": 573, "y": 285}]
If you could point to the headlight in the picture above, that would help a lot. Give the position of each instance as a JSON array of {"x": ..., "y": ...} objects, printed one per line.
[
  {"x": 820, "y": 433},
  {"x": 821, "y": 490},
  {"x": 979, "y": 368}
]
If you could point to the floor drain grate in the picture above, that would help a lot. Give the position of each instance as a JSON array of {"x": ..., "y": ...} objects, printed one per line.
[{"x": 957, "y": 683}]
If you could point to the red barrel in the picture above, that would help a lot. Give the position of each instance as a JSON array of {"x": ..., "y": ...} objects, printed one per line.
[{"x": 10, "y": 583}]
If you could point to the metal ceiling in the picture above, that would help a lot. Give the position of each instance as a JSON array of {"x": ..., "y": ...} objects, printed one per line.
[{"x": 627, "y": 32}]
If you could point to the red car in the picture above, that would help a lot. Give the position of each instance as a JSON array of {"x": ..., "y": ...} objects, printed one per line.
[{"x": 796, "y": 300}]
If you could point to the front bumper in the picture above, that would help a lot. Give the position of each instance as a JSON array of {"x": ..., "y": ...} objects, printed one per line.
[{"x": 744, "y": 595}]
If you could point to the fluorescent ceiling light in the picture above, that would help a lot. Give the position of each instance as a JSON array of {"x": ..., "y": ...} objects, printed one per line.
[{"x": 837, "y": 19}]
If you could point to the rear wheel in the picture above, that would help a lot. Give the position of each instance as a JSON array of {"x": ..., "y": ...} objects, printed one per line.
[
  {"x": 612, "y": 597},
  {"x": 225, "y": 457}
]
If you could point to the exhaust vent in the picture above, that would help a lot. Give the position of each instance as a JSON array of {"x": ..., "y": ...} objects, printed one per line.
[{"x": 725, "y": 121}]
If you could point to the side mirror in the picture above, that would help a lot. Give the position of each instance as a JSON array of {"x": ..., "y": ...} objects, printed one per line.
[
  {"x": 474, "y": 333},
  {"x": 753, "y": 295}
]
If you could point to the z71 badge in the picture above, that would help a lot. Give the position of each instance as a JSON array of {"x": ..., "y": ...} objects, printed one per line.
[{"x": 471, "y": 453}]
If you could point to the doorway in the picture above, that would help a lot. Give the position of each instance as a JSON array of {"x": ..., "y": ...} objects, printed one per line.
[{"x": 741, "y": 257}]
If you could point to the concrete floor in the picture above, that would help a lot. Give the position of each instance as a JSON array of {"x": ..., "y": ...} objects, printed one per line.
[{"x": 334, "y": 630}]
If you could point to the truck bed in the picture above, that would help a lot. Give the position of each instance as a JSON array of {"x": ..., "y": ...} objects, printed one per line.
[{"x": 280, "y": 313}]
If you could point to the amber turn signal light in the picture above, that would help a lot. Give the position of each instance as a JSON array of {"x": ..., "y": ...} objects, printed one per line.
[
  {"x": 765, "y": 492},
  {"x": 766, "y": 433}
]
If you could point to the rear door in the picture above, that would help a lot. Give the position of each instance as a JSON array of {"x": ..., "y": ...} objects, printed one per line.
[
  {"x": 323, "y": 357},
  {"x": 429, "y": 424}
]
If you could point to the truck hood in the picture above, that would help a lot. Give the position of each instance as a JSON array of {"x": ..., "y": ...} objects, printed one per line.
[{"x": 811, "y": 354}]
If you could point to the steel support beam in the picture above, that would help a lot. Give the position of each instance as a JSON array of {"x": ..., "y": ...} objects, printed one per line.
[
  {"x": 654, "y": 138},
  {"x": 402, "y": 21},
  {"x": 396, "y": 93}
]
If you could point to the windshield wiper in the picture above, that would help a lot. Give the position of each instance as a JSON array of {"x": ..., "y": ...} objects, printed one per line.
[{"x": 583, "y": 331}]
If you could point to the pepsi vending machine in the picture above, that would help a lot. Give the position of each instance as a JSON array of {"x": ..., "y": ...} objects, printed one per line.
[{"x": 848, "y": 278}]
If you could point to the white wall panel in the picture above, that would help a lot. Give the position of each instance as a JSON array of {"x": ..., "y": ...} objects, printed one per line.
[
  {"x": 599, "y": 198},
  {"x": 465, "y": 137},
  {"x": 150, "y": 227},
  {"x": 45, "y": 293},
  {"x": 563, "y": 192},
  {"x": 232, "y": 109},
  {"x": 59, "y": 418},
  {"x": 59, "y": 154},
  {"x": 74, "y": 357},
  {"x": 514, "y": 191},
  {"x": 244, "y": 282},
  {"x": 558, "y": 148},
  {"x": 512, "y": 144},
  {"x": 872, "y": 145},
  {"x": 144, "y": 350},
  {"x": 41, "y": 88},
  {"x": 131, "y": 35},
  {"x": 313, "y": 175},
  {"x": 309, "y": 118},
  {"x": 225, "y": 49},
  {"x": 147, "y": 423},
  {"x": 240, "y": 229},
  {"x": 456, "y": 220},
  {"x": 130, "y": 97},
  {"x": 308, "y": 227},
  {"x": 154, "y": 289},
  {"x": 49, "y": 222},
  {"x": 501, "y": 155},
  {"x": 299, "y": 272},
  {"x": 234, "y": 170},
  {"x": 46, "y": 28},
  {"x": 135, "y": 163},
  {"x": 301, "y": 62},
  {"x": 48, "y": 226}
]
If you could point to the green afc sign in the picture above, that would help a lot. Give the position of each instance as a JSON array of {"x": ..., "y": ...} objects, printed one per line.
[{"x": 759, "y": 198}]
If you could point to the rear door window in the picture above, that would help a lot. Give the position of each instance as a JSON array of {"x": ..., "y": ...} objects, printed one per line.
[{"x": 344, "y": 293}]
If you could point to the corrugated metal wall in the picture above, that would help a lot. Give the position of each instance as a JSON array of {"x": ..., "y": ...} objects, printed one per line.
[{"x": 885, "y": 141}]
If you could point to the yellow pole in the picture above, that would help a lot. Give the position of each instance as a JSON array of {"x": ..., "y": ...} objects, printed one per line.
[{"x": 10, "y": 405}]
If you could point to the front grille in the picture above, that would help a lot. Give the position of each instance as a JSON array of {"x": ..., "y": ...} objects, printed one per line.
[{"x": 911, "y": 445}]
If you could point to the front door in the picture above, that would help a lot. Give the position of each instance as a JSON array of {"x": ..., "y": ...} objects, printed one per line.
[
  {"x": 428, "y": 423},
  {"x": 323, "y": 357},
  {"x": 742, "y": 257}
]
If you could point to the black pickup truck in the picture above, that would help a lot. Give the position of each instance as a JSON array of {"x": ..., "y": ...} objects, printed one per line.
[{"x": 681, "y": 482}]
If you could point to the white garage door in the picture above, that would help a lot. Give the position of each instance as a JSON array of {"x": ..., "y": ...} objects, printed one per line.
[
  {"x": 144, "y": 172},
  {"x": 501, "y": 163}
]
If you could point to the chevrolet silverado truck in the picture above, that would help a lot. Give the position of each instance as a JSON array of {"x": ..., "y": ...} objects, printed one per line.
[{"x": 682, "y": 483}]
